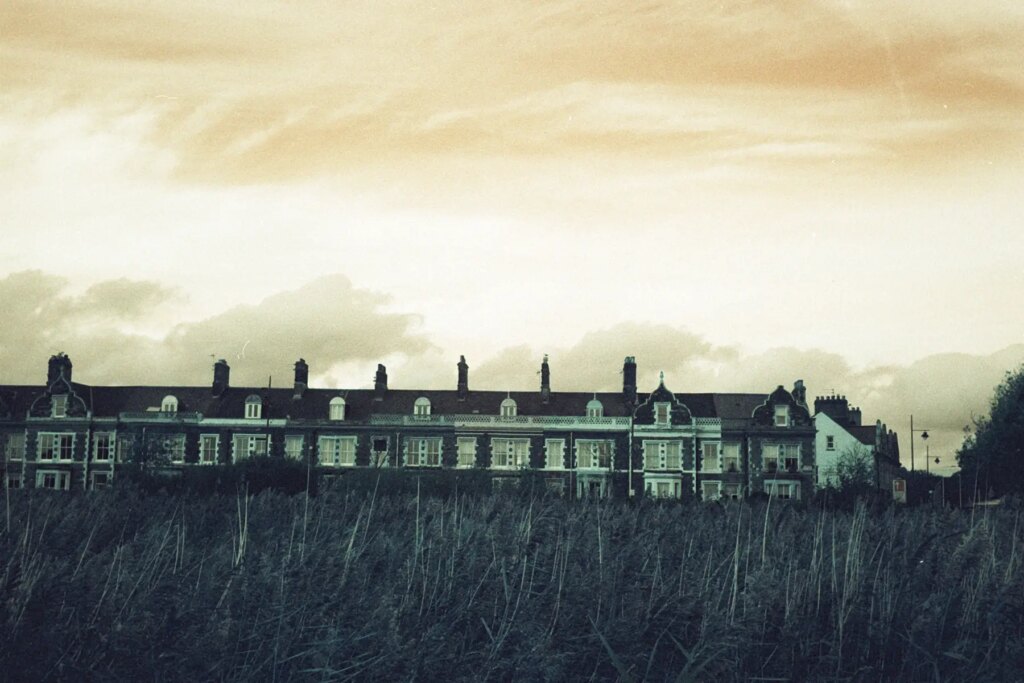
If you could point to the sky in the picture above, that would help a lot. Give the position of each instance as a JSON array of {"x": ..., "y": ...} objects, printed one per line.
[{"x": 740, "y": 194}]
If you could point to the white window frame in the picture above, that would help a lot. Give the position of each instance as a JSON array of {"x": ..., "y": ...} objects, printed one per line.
[
  {"x": 781, "y": 411},
  {"x": 14, "y": 449},
  {"x": 106, "y": 485},
  {"x": 830, "y": 442},
  {"x": 727, "y": 487},
  {"x": 252, "y": 443},
  {"x": 588, "y": 449},
  {"x": 174, "y": 444},
  {"x": 717, "y": 492},
  {"x": 466, "y": 448},
  {"x": 337, "y": 451},
  {"x": 554, "y": 454},
  {"x": 716, "y": 456},
  {"x": 727, "y": 447},
  {"x": 662, "y": 414},
  {"x": 123, "y": 450},
  {"x": 509, "y": 453},
  {"x": 59, "y": 405},
  {"x": 658, "y": 455},
  {"x": 421, "y": 408},
  {"x": 595, "y": 409},
  {"x": 169, "y": 405},
  {"x": 104, "y": 446},
  {"x": 56, "y": 446},
  {"x": 253, "y": 407},
  {"x": 290, "y": 451},
  {"x": 780, "y": 453},
  {"x": 509, "y": 408},
  {"x": 204, "y": 452},
  {"x": 420, "y": 450},
  {"x": 61, "y": 479},
  {"x": 336, "y": 409},
  {"x": 774, "y": 488},
  {"x": 653, "y": 487}
]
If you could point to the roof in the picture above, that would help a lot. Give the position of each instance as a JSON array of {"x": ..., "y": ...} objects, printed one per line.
[
  {"x": 863, "y": 433},
  {"x": 737, "y": 406}
]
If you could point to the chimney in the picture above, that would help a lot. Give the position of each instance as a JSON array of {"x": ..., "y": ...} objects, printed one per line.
[
  {"x": 221, "y": 375},
  {"x": 301, "y": 377},
  {"x": 60, "y": 365},
  {"x": 545, "y": 380},
  {"x": 800, "y": 393},
  {"x": 463, "y": 386},
  {"x": 380, "y": 383},
  {"x": 629, "y": 380},
  {"x": 855, "y": 417}
]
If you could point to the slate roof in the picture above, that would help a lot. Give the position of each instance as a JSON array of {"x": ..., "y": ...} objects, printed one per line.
[{"x": 863, "y": 433}]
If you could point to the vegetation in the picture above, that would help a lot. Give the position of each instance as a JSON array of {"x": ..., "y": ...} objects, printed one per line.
[
  {"x": 357, "y": 585},
  {"x": 992, "y": 457}
]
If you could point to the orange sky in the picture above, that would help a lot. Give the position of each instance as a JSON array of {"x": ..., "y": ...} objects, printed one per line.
[{"x": 517, "y": 175}]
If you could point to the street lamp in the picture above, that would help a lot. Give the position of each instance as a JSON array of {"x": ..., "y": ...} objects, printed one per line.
[{"x": 924, "y": 435}]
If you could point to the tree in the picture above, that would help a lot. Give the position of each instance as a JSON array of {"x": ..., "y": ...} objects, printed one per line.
[
  {"x": 992, "y": 457},
  {"x": 855, "y": 469}
]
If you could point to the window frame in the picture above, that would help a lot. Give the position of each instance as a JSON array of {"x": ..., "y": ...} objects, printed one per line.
[
  {"x": 336, "y": 409},
  {"x": 830, "y": 442},
  {"x": 204, "y": 440},
  {"x": 716, "y": 456},
  {"x": 345, "y": 450},
  {"x": 662, "y": 414},
  {"x": 781, "y": 411},
  {"x": 169, "y": 405},
  {"x": 662, "y": 456},
  {"x": 56, "y": 446},
  {"x": 110, "y": 447},
  {"x": 595, "y": 409},
  {"x": 461, "y": 444},
  {"x": 595, "y": 446},
  {"x": 423, "y": 451},
  {"x": 253, "y": 407},
  {"x": 59, "y": 405},
  {"x": 727, "y": 446},
  {"x": 509, "y": 409},
  {"x": 421, "y": 407},
  {"x": 550, "y": 464},
  {"x": 59, "y": 477},
  {"x": 14, "y": 447},
  {"x": 515, "y": 452},
  {"x": 291, "y": 454}
]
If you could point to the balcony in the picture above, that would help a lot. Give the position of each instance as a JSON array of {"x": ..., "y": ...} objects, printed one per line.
[{"x": 159, "y": 416}]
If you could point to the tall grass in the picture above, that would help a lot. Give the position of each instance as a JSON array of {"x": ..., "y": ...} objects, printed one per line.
[{"x": 359, "y": 586}]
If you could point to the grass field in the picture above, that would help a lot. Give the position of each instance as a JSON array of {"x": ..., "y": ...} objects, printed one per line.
[{"x": 123, "y": 586}]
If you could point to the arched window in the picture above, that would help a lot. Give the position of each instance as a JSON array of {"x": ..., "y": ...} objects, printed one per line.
[
  {"x": 169, "y": 405},
  {"x": 595, "y": 409},
  {"x": 508, "y": 407},
  {"x": 337, "y": 408},
  {"x": 253, "y": 407},
  {"x": 422, "y": 407}
]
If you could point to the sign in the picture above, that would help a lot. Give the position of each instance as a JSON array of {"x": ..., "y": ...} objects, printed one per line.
[{"x": 899, "y": 490}]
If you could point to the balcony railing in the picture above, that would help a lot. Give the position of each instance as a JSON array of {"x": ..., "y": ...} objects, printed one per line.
[
  {"x": 160, "y": 416},
  {"x": 498, "y": 420}
]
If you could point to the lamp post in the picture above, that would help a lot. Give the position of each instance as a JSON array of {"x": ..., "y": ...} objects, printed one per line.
[{"x": 924, "y": 435}]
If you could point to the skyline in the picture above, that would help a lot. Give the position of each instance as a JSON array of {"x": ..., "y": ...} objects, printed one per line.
[{"x": 816, "y": 190}]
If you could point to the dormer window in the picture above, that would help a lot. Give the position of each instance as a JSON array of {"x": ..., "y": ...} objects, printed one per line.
[
  {"x": 781, "y": 416},
  {"x": 661, "y": 414},
  {"x": 337, "y": 411},
  {"x": 253, "y": 407},
  {"x": 508, "y": 408},
  {"x": 595, "y": 409},
  {"x": 169, "y": 405},
  {"x": 422, "y": 407},
  {"x": 60, "y": 405}
]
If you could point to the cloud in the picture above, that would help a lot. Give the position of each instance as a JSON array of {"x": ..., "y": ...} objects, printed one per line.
[
  {"x": 286, "y": 91},
  {"x": 328, "y": 321}
]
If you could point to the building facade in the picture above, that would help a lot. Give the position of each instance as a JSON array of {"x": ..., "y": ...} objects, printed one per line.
[
  {"x": 840, "y": 434},
  {"x": 66, "y": 435}
]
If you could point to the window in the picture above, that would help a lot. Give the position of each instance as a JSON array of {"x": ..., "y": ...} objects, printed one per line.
[
  {"x": 782, "y": 457},
  {"x": 379, "y": 451},
  {"x": 593, "y": 454},
  {"x": 508, "y": 408},
  {"x": 248, "y": 446},
  {"x": 554, "y": 454},
  {"x": 784, "y": 490},
  {"x": 781, "y": 416},
  {"x": 293, "y": 446},
  {"x": 595, "y": 409},
  {"x": 60, "y": 405},
  {"x": 663, "y": 488},
  {"x": 730, "y": 457},
  {"x": 124, "y": 448},
  {"x": 103, "y": 447},
  {"x": 423, "y": 452},
  {"x": 337, "y": 451},
  {"x": 99, "y": 480},
  {"x": 169, "y": 405},
  {"x": 467, "y": 451},
  {"x": 16, "y": 446},
  {"x": 510, "y": 453},
  {"x": 54, "y": 480},
  {"x": 710, "y": 490},
  {"x": 830, "y": 443},
  {"x": 661, "y": 414},
  {"x": 662, "y": 455},
  {"x": 253, "y": 407},
  {"x": 337, "y": 410},
  {"x": 174, "y": 446},
  {"x": 56, "y": 446},
  {"x": 208, "y": 444},
  {"x": 730, "y": 491},
  {"x": 422, "y": 407},
  {"x": 15, "y": 481},
  {"x": 709, "y": 460}
]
